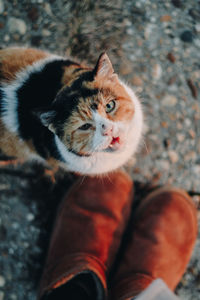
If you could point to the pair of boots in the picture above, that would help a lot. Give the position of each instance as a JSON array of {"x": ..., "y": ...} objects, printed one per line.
[{"x": 88, "y": 231}]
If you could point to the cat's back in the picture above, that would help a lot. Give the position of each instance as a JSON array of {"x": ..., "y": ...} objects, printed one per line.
[{"x": 14, "y": 60}]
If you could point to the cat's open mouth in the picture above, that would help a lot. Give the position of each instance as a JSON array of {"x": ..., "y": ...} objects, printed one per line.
[{"x": 114, "y": 145}]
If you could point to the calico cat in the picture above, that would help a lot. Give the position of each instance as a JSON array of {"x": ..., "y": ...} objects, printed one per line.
[{"x": 61, "y": 112}]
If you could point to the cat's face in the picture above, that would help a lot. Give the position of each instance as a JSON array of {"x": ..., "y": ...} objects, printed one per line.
[
  {"x": 99, "y": 122},
  {"x": 94, "y": 114}
]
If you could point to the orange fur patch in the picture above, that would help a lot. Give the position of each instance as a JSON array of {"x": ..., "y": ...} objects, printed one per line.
[
  {"x": 79, "y": 141},
  {"x": 13, "y": 60},
  {"x": 113, "y": 90},
  {"x": 70, "y": 74},
  {"x": 12, "y": 146}
]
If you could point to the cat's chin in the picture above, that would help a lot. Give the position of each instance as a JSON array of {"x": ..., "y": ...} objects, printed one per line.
[
  {"x": 113, "y": 148},
  {"x": 115, "y": 145}
]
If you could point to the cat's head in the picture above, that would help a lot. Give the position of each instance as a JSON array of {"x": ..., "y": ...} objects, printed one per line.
[{"x": 92, "y": 116}]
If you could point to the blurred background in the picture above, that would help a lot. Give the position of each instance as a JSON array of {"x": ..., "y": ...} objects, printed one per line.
[{"x": 155, "y": 47}]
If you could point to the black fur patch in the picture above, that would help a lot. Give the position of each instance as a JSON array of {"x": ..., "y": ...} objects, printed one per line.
[
  {"x": 41, "y": 88},
  {"x": 38, "y": 91},
  {"x": 67, "y": 100},
  {"x": 45, "y": 144},
  {"x": 94, "y": 106},
  {"x": 78, "y": 85}
]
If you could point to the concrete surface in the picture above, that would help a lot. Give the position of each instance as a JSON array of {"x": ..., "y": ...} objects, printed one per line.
[{"x": 155, "y": 46}]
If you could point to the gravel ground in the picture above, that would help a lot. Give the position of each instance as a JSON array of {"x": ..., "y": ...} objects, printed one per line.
[{"x": 155, "y": 46}]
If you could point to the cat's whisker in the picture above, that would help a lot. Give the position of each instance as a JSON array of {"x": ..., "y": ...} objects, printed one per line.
[
  {"x": 83, "y": 178},
  {"x": 145, "y": 145},
  {"x": 81, "y": 181},
  {"x": 108, "y": 177},
  {"x": 101, "y": 177}
]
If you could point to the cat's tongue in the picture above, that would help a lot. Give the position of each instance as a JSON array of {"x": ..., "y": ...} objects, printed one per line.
[
  {"x": 115, "y": 140},
  {"x": 115, "y": 143}
]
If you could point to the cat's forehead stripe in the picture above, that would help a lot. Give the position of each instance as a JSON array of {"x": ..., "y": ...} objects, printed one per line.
[
  {"x": 84, "y": 77},
  {"x": 83, "y": 85}
]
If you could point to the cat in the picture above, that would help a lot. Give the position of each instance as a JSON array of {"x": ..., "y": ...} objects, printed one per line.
[{"x": 61, "y": 112}]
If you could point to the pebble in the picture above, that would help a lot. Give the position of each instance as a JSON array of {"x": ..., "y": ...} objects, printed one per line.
[
  {"x": 196, "y": 170},
  {"x": 137, "y": 81},
  {"x": 172, "y": 80},
  {"x": 47, "y": 9},
  {"x": 193, "y": 88},
  {"x": 33, "y": 13},
  {"x": 164, "y": 124},
  {"x": 169, "y": 100},
  {"x": 164, "y": 165},
  {"x": 192, "y": 133},
  {"x": 2, "y": 281},
  {"x": 177, "y": 3},
  {"x": 6, "y": 38},
  {"x": 150, "y": 28},
  {"x": 187, "y": 122},
  {"x": 173, "y": 156},
  {"x": 165, "y": 18},
  {"x": 171, "y": 57},
  {"x": 198, "y": 146},
  {"x": 30, "y": 217},
  {"x": 16, "y": 37},
  {"x": 46, "y": 32},
  {"x": 3, "y": 233},
  {"x": 195, "y": 14},
  {"x": 190, "y": 156},
  {"x": 187, "y": 36},
  {"x": 1, "y": 6},
  {"x": 15, "y": 225},
  {"x": 197, "y": 27},
  {"x": 1, "y": 295},
  {"x": 36, "y": 40},
  {"x": 196, "y": 200},
  {"x": 197, "y": 43},
  {"x": 180, "y": 137},
  {"x": 16, "y": 26},
  {"x": 157, "y": 71},
  {"x": 125, "y": 67},
  {"x": 166, "y": 143}
]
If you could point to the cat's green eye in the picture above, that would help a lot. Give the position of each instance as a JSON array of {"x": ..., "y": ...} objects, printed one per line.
[
  {"x": 110, "y": 106},
  {"x": 86, "y": 126}
]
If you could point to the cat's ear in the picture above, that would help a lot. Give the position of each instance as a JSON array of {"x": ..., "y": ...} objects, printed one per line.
[
  {"x": 46, "y": 118},
  {"x": 104, "y": 68}
]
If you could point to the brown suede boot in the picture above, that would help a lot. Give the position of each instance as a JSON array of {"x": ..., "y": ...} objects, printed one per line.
[
  {"x": 86, "y": 237},
  {"x": 164, "y": 233}
]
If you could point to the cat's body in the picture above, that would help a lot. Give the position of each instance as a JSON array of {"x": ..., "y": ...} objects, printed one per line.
[{"x": 53, "y": 109}]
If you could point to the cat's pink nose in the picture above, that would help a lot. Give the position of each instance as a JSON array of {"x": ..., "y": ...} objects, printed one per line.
[{"x": 107, "y": 129}]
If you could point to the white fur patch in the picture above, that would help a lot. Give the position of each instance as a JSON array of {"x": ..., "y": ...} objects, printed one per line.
[
  {"x": 9, "y": 99},
  {"x": 99, "y": 141}
]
